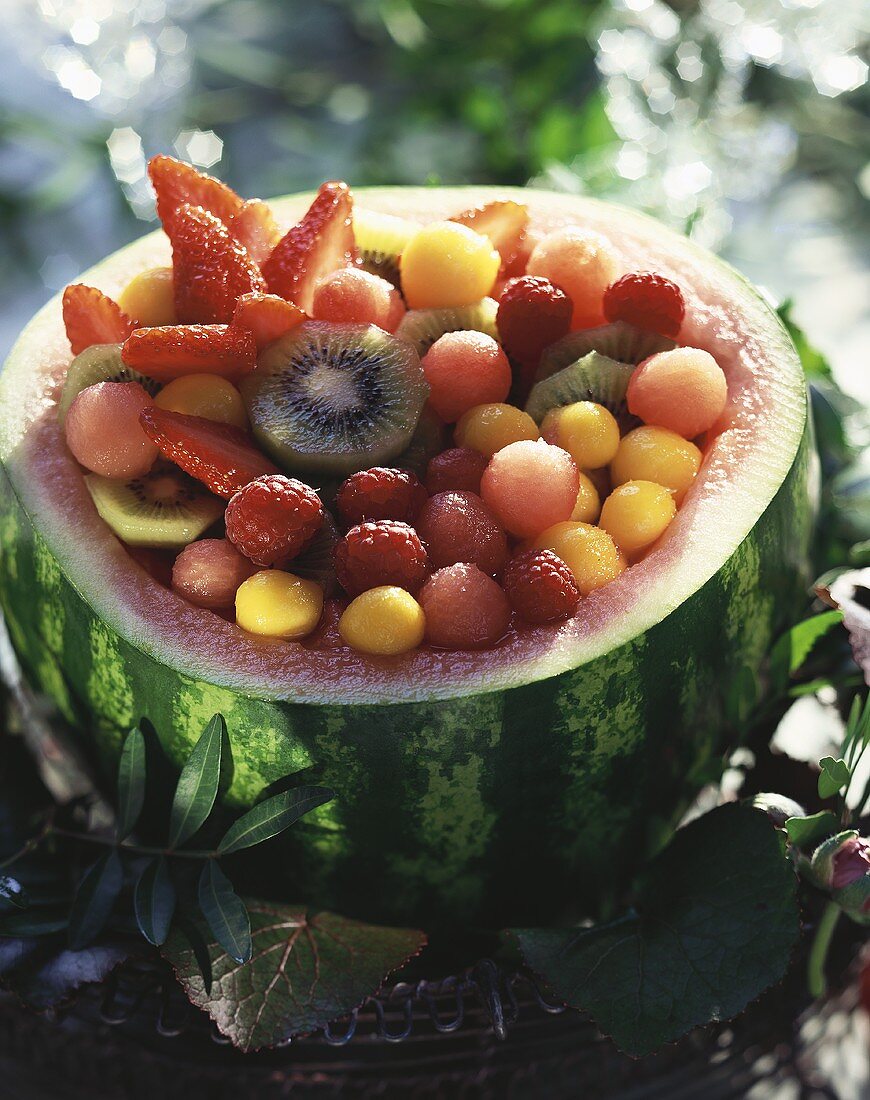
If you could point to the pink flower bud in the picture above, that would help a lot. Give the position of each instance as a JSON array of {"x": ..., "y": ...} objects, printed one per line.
[{"x": 851, "y": 862}]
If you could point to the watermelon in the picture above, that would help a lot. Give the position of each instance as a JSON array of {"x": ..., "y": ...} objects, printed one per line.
[{"x": 505, "y": 786}]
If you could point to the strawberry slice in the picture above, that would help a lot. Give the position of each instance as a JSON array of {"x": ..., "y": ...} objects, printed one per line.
[
  {"x": 503, "y": 221},
  {"x": 176, "y": 183},
  {"x": 219, "y": 455},
  {"x": 267, "y": 316},
  {"x": 210, "y": 269},
  {"x": 91, "y": 317},
  {"x": 321, "y": 243},
  {"x": 255, "y": 228},
  {"x": 167, "y": 352}
]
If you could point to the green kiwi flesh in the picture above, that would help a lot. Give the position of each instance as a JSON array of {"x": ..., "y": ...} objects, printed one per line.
[
  {"x": 620, "y": 341},
  {"x": 380, "y": 241},
  {"x": 164, "y": 509},
  {"x": 593, "y": 378},
  {"x": 422, "y": 327},
  {"x": 315, "y": 563},
  {"x": 98, "y": 363},
  {"x": 329, "y": 399}
]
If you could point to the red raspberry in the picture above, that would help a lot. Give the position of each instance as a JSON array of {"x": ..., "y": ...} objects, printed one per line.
[
  {"x": 532, "y": 314},
  {"x": 380, "y": 493},
  {"x": 541, "y": 587},
  {"x": 457, "y": 468},
  {"x": 273, "y": 518},
  {"x": 387, "y": 552},
  {"x": 646, "y": 300}
]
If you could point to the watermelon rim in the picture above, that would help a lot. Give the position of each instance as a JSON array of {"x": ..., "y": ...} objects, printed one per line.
[{"x": 767, "y": 405}]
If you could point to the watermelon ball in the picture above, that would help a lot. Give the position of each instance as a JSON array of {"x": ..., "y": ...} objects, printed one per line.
[
  {"x": 465, "y": 369},
  {"x": 540, "y": 587},
  {"x": 582, "y": 264},
  {"x": 103, "y": 430},
  {"x": 488, "y": 428},
  {"x": 530, "y": 485},
  {"x": 586, "y": 430},
  {"x": 684, "y": 389},
  {"x": 208, "y": 572},
  {"x": 150, "y": 298},
  {"x": 656, "y": 454},
  {"x": 458, "y": 527},
  {"x": 636, "y": 514},
  {"x": 456, "y": 468},
  {"x": 464, "y": 608},
  {"x": 446, "y": 265},
  {"x": 587, "y": 507},
  {"x": 210, "y": 396},
  {"x": 590, "y": 553},
  {"x": 352, "y": 296},
  {"x": 385, "y": 621},
  {"x": 279, "y": 605}
]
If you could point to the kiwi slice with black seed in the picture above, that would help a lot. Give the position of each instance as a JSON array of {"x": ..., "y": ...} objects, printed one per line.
[
  {"x": 316, "y": 562},
  {"x": 422, "y": 327},
  {"x": 593, "y": 378},
  {"x": 380, "y": 241},
  {"x": 328, "y": 399},
  {"x": 620, "y": 341},
  {"x": 98, "y": 363},
  {"x": 164, "y": 508}
]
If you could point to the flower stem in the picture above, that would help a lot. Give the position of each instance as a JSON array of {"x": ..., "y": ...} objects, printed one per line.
[{"x": 820, "y": 947}]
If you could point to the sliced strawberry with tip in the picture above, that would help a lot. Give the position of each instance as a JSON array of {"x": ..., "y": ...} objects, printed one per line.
[
  {"x": 176, "y": 183},
  {"x": 321, "y": 243},
  {"x": 504, "y": 222},
  {"x": 91, "y": 317},
  {"x": 167, "y": 352},
  {"x": 254, "y": 226},
  {"x": 267, "y": 316},
  {"x": 220, "y": 456}
]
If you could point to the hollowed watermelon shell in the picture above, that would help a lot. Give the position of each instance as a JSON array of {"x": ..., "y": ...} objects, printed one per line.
[{"x": 490, "y": 787}]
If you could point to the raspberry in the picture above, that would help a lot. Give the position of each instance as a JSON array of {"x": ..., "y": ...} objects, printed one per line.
[
  {"x": 90, "y": 317},
  {"x": 647, "y": 300},
  {"x": 532, "y": 314},
  {"x": 273, "y": 518},
  {"x": 456, "y": 468},
  {"x": 380, "y": 493},
  {"x": 384, "y": 553},
  {"x": 541, "y": 587}
]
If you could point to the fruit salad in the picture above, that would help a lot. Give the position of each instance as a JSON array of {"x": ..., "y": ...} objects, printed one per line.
[{"x": 380, "y": 434}]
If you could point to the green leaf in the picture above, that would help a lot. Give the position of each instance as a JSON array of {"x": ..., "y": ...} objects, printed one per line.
[
  {"x": 12, "y": 891},
  {"x": 716, "y": 922},
  {"x": 794, "y": 647},
  {"x": 272, "y": 816},
  {"x": 198, "y": 784},
  {"x": 225, "y": 912},
  {"x": 94, "y": 900},
  {"x": 835, "y": 775},
  {"x": 807, "y": 832},
  {"x": 154, "y": 901},
  {"x": 198, "y": 954},
  {"x": 814, "y": 363},
  {"x": 307, "y": 969},
  {"x": 34, "y": 922},
  {"x": 131, "y": 782}
]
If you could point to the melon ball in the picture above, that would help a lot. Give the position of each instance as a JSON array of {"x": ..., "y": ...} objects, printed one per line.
[
  {"x": 586, "y": 430},
  {"x": 636, "y": 514},
  {"x": 587, "y": 507},
  {"x": 446, "y": 265},
  {"x": 590, "y": 553},
  {"x": 459, "y": 527},
  {"x": 465, "y": 369},
  {"x": 353, "y": 296},
  {"x": 103, "y": 430},
  {"x": 656, "y": 454},
  {"x": 209, "y": 572},
  {"x": 530, "y": 485},
  {"x": 684, "y": 390},
  {"x": 464, "y": 608},
  {"x": 583, "y": 264}
]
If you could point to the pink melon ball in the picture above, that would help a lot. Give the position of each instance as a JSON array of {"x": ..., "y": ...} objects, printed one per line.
[
  {"x": 208, "y": 572},
  {"x": 684, "y": 390},
  {"x": 464, "y": 608},
  {"x": 103, "y": 430},
  {"x": 458, "y": 527},
  {"x": 465, "y": 369},
  {"x": 353, "y": 296},
  {"x": 530, "y": 485}
]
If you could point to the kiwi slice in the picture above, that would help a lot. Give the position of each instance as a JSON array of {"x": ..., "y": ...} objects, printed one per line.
[
  {"x": 380, "y": 241},
  {"x": 429, "y": 439},
  {"x": 620, "y": 341},
  {"x": 315, "y": 563},
  {"x": 98, "y": 363},
  {"x": 422, "y": 327},
  {"x": 328, "y": 399},
  {"x": 593, "y": 378},
  {"x": 165, "y": 508}
]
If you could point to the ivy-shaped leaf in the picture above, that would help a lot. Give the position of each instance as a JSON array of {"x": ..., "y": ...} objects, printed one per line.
[
  {"x": 131, "y": 782},
  {"x": 198, "y": 784},
  {"x": 794, "y": 647},
  {"x": 95, "y": 899},
  {"x": 271, "y": 817},
  {"x": 225, "y": 912},
  {"x": 807, "y": 832},
  {"x": 307, "y": 970},
  {"x": 835, "y": 775},
  {"x": 13, "y": 892},
  {"x": 154, "y": 901},
  {"x": 716, "y": 922}
]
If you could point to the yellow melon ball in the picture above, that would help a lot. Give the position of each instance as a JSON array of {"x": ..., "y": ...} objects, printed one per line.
[
  {"x": 384, "y": 621},
  {"x": 636, "y": 514},
  {"x": 588, "y": 506},
  {"x": 278, "y": 604},
  {"x": 446, "y": 265},
  {"x": 590, "y": 553},
  {"x": 206, "y": 395},
  {"x": 489, "y": 428},
  {"x": 586, "y": 430},
  {"x": 149, "y": 298},
  {"x": 656, "y": 454}
]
